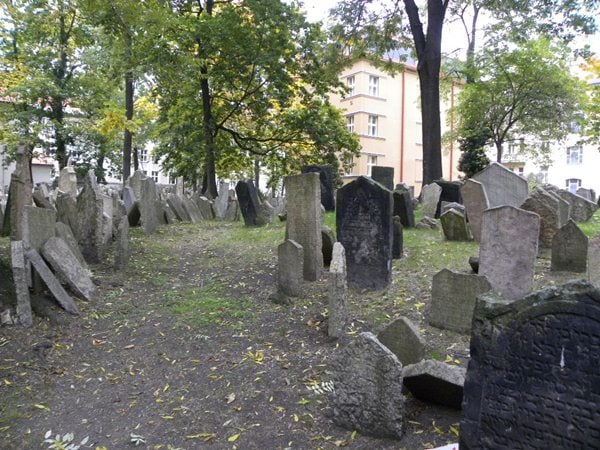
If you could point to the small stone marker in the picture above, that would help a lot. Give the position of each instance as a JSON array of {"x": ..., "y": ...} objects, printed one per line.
[
  {"x": 453, "y": 297},
  {"x": 122, "y": 249},
  {"x": 430, "y": 197},
  {"x": 508, "y": 249},
  {"x": 502, "y": 186},
  {"x": 450, "y": 194},
  {"x": 454, "y": 225},
  {"x": 569, "y": 249},
  {"x": 398, "y": 238},
  {"x": 290, "y": 256},
  {"x": 403, "y": 339},
  {"x": 52, "y": 282},
  {"x": 367, "y": 393},
  {"x": 326, "y": 180},
  {"x": 67, "y": 268},
  {"x": 338, "y": 292},
  {"x": 532, "y": 381},
  {"x": 476, "y": 202},
  {"x": 593, "y": 262},
  {"x": 384, "y": 176},
  {"x": 435, "y": 382},
  {"x": 19, "y": 271}
]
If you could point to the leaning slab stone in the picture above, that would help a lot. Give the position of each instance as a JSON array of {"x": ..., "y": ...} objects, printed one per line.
[
  {"x": 66, "y": 211},
  {"x": 222, "y": 201},
  {"x": 398, "y": 238},
  {"x": 40, "y": 199},
  {"x": 19, "y": 196},
  {"x": 384, "y": 176},
  {"x": 547, "y": 207},
  {"x": 206, "y": 207},
  {"x": 338, "y": 292},
  {"x": 593, "y": 262},
  {"x": 564, "y": 207},
  {"x": 453, "y": 297},
  {"x": 430, "y": 197},
  {"x": 569, "y": 249},
  {"x": 435, "y": 382},
  {"x": 233, "y": 212},
  {"x": 290, "y": 257},
  {"x": 368, "y": 388},
  {"x": 176, "y": 204},
  {"x": 582, "y": 209},
  {"x": 38, "y": 226},
  {"x": 454, "y": 225},
  {"x": 265, "y": 214},
  {"x": 248, "y": 201},
  {"x": 192, "y": 209},
  {"x": 476, "y": 202},
  {"x": 532, "y": 381},
  {"x": 64, "y": 232},
  {"x": 502, "y": 186},
  {"x": 402, "y": 337},
  {"x": 67, "y": 268},
  {"x": 67, "y": 181},
  {"x": 508, "y": 249},
  {"x": 450, "y": 194},
  {"x": 52, "y": 282},
  {"x": 326, "y": 181},
  {"x": 135, "y": 182},
  {"x": 19, "y": 271}
]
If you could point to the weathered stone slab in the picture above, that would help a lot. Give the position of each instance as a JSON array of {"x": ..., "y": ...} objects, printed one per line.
[
  {"x": 51, "y": 282},
  {"x": 427, "y": 223},
  {"x": 20, "y": 274},
  {"x": 290, "y": 257},
  {"x": 90, "y": 220},
  {"x": 502, "y": 186},
  {"x": 64, "y": 232},
  {"x": 593, "y": 261},
  {"x": 368, "y": 388},
  {"x": 192, "y": 209},
  {"x": 19, "y": 195},
  {"x": 148, "y": 206},
  {"x": 533, "y": 375},
  {"x": 582, "y": 209},
  {"x": 430, "y": 197},
  {"x": 564, "y": 207},
  {"x": 222, "y": 201},
  {"x": 40, "y": 197},
  {"x": 403, "y": 208},
  {"x": 450, "y": 194},
  {"x": 453, "y": 297},
  {"x": 265, "y": 214},
  {"x": 508, "y": 249},
  {"x": 398, "y": 238},
  {"x": 176, "y": 205},
  {"x": 107, "y": 219},
  {"x": 38, "y": 226},
  {"x": 403, "y": 339},
  {"x": 454, "y": 225},
  {"x": 328, "y": 240},
  {"x": 67, "y": 181},
  {"x": 248, "y": 201},
  {"x": 67, "y": 268},
  {"x": 547, "y": 207},
  {"x": 304, "y": 220},
  {"x": 338, "y": 292},
  {"x": 384, "y": 176},
  {"x": 435, "y": 382},
  {"x": 447, "y": 206},
  {"x": 135, "y": 182},
  {"x": 206, "y": 207},
  {"x": 233, "y": 212},
  {"x": 569, "y": 249},
  {"x": 66, "y": 211},
  {"x": 327, "y": 187},
  {"x": 476, "y": 202},
  {"x": 122, "y": 248}
]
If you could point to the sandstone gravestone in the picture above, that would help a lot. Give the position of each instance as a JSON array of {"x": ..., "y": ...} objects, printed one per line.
[
  {"x": 40, "y": 197},
  {"x": 564, "y": 207},
  {"x": 593, "y": 261},
  {"x": 64, "y": 232},
  {"x": 430, "y": 197},
  {"x": 205, "y": 206},
  {"x": 450, "y": 194},
  {"x": 176, "y": 204},
  {"x": 435, "y": 382},
  {"x": 502, "y": 186},
  {"x": 403, "y": 208},
  {"x": 38, "y": 226},
  {"x": 403, "y": 339},
  {"x": 476, "y": 202},
  {"x": 397, "y": 238},
  {"x": 569, "y": 249},
  {"x": 147, "y": 205},
  {"x": 368, "y": 388},
  {"x": 532, "y": 381},
  {"x": 192, "y": 209},
  {"x": 364, "y": 227},
  {"x": 290, "y": 257},
  {"x": 67, "y": 181},
  {"x": 508, "y": 249},
  {"x": 19, "y": 271},
  {"x": 453, "y": 297},
  {"x": 338, "y": 292},
  {"x": 66, "y": 211},
  {"x": 19, "y": 195},
  {"x": 384, "y": 176},
  {"x": 90, "y": 220},
  {"x": 454, "y": 225},
  {"x": 135, "y": 182},
  {"x": 222, "y": 201},
  {"x": 304, "y": 219},
  {"x": 547, "y": 207},
  {"x": 327, "y": 188},
  {"x": 582, "y": 209}
]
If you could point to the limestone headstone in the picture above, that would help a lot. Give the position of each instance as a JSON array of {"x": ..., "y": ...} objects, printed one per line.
[
  {"x": 569, "y": 249},
  {"x": 593, "y": 261},
  {"x": 384, "y": 176},
  {"x": 532, "y": 380},
  {"x": 453, "y": 297},
  {"x": 135, "y": 182},
  {"x": 304, "y": 220},
  {"x": 364, "y": 228},
  {"x": 454, "y": 225},
  {"x": 547, "y": 207},
  {"x": 430, "y": 196},
  {"x": 90, "y": 217},
  {"x": 338, "y": 292},
  {"x": 205, "y": 206},
  {"x": 368, "y": 388},
  {"x": 265, "y": 213},
  {"x": 402, "y": 337},
  {"x": 122, "y": 248},
  {"x": 233, "y": 211},
  {"x": 435, "y": 382},
  {"x": 502, "y": 186},
  {"x": 67, "y": 181},
  {"x": 192, "y": 209},
  {"x": 19, "y": 195},
  {"x": 290, "y": 257},
  {"x": 38, "y": 226},
  {"x": 398, "y": 238},
  {"x": 147, "y": 204},
  {"x": 476, "y": 202},
  {"x": 20, "y": 275},
  {"x": 403, "y": 208},
  {"x": 581, "y": 209},
  {"x": 66, "y": 211},
  {"x": 64, "y": 232},
  {"x": 222, "y": 201},
  {"x": 508, "y": 249},
  {"x": 327, "y": 187},
  {"x": 176, "y": 204}
]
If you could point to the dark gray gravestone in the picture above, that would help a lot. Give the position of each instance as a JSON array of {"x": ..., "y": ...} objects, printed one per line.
[
  {"x": 398, "y": 238},
  {"x": 502, "y": 186},
  {"x": 19, "y": 271},
  {"x": 368, "y": 396},
  {"x": 384, "y": 176},
  {"x": 435, "y": 382},
  {"x": 569, "y": 249},
  {"x": 403, "y": 339},
  {"x": 328, "y": 239},
  {"x": 364, "y": 227},
  {"x": 532, "y": 381},
  {"x": 403, "y": 208},
  {"x": 450, "y": 193},
  {"x": 248, "y": 201},
  {"x": 476, "y": 202},
  {"x": 327, "y": 188},
  {"x": 454, "y": 225}
]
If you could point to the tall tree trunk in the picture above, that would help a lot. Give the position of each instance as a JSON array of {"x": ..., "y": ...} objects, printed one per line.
[
  {"x": 129, "y": 93},
  {"x": 499, "y": 151},
  {"x": 256, "y": 172},
  {"x": 57, "y": 104}
]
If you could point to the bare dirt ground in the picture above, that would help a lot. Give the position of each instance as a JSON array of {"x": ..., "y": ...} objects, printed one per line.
[{"x": 184, "y": 349}]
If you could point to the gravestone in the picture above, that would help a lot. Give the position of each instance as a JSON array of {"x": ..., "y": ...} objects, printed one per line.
[
  {"x": 403, "y": 339},
  {"x": 582, "y": 209},
  {"x": 454, "y": 226},
  {"x": 67, "y": 181},
  {"x": 326, "y": 180},
  {"x": 205, "y": 206},
  {"x": 222, "y": 201},
  {"x": 135, "y": 182},
  {"x": 40, "y": 197},
  {"x": 122, "y": 248},
  {"x": 38, "y": 226},
  {"x": 327, "y": 248},
  {"x": 67, "y": 268},
  {"x": 90, "y": 220},
  {"x": 192, "y": 209},
  {"x": 304, "y": 219},
  {"x": 20, "y": 276},
  {"x": 179, "y": 186},
  {"x": 66, "y": 211},
  {"x": 532, "y": 381},
  {"x": 564, "y": 208},
  {"x": 64, "y": 232},
  {"x": 502, "y": 186},
  {"x": 586, "y": 193},
  {"x": 435, "y": 382},
  {"x": 547, "y": 207},
  {"x": 453, "y": 297},
  {"x": 147, "y": 205},
  {"x": 132, "y": 206},
  {"x": 384, "y": 176},
  {"x": 368, "y": 388},
  {"x": 476, "y": 202},
  {"x": 19, "y": 195},
  {"x": 569, "y": 249},
  {"x": 265, "y": 214},
  {"x": 450, "y": 194},
  {"x": 593, "y": 261},
  {"x": 290, "y": 257},
  {"x": 364, "y": 228},
  {"x": 508, "y": 249},
  {"x": 233, "y": 210},
  {"x": 403, "y": 208},
  {"x": 430, "y": 197},
  {"x": 176, "y": 204},
  {"x": 447, "y": 206},
  {"x": 107, "y": 219},
  {"x": 338, "y": 292},
  {"x": 397, "y": 238},
  {"x": 248, "y": 201}
]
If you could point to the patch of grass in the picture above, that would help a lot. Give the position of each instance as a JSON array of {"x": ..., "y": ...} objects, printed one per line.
[
  {"x": 329, "y": 220},
  {"x": 592, "y": 226}
]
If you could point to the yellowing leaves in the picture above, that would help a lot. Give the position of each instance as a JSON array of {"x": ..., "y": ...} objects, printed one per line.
[
  {"x": 234, "y": 437},
  {"x": 258, "y": 357}
]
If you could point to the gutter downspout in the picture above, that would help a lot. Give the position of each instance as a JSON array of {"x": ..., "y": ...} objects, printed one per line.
[
  {"x": 451, "y": 129},
  {"x": 402, "y": 128}
]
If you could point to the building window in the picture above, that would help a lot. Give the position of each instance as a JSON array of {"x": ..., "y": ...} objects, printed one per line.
[
  {"x": 575, "y": 155},
  {"x": 372, "y": 125},
  {"x": 350, "y": 123},
  {"x": 374, "y": 86},
  {"x": 155, "y": 176},
  {"x": 575, "y": 126},
  {"x": 573, "y": 184},
  {"x": 371, "y": 161},
  {"x": 348, "y": 165},
  {"x": 143, "y": 155},
  {"x": 350, "y": 85}
]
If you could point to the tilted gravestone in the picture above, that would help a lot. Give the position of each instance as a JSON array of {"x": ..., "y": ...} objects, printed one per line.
[
  {"x": 122, "y": 248},
  {"x": 508, "y": 249},
  {"x": 176, "y": 204},
  {"x": 454, "y": 225},
  {"x": 588, "y": 194},
  {"x": 290, "y": 258},
  {"x": 403, "y": 339},
  {"x": 368, "y": 396},
  {"x": 135, "y": 182},
  {"x": 450, "y": 194},
  {"x": 397, "y": 238},
  {"x": 430, "y": 197},
  {"x": 569, "y": 249},
  {"x": 581, "y": 208},
  {"x": 304, "y": 219},
  {"x": 547, "y": 207},
  {"x": 564, "y": 207},
  {"x": 338, "y": 292},
  {"x": 532, "y": 381},
  {"x": 191, "y": 207},
  {"x": 90, "y": 220},
  {"x": 20, "y": 275},
  {"x": 19, "y": 195},
  {"x": 364, "y": 227},
  {"x": 147, "y": 204},
  {"x": 221, "y": 202},
  {"x": 206, "y": 206},
  {"x": 64, "y": 232},
  {"x": 476, "y": 202},
  {"x": 38, "y": 226},
  {"x": 327, "y": 188},
  {"x": 403, "y": 208},
  {"x": 66, "y": 211},
  {"x": 453, "y": 297},
  {"x": 593, "y": 261},
  {"x": 384, "y": 176},
  {"x": 40, "y": 198},
  {"x": 248, "y": 201},
  {"x": 502, "y": 186},
  {"x": 435, "y": 382}
]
